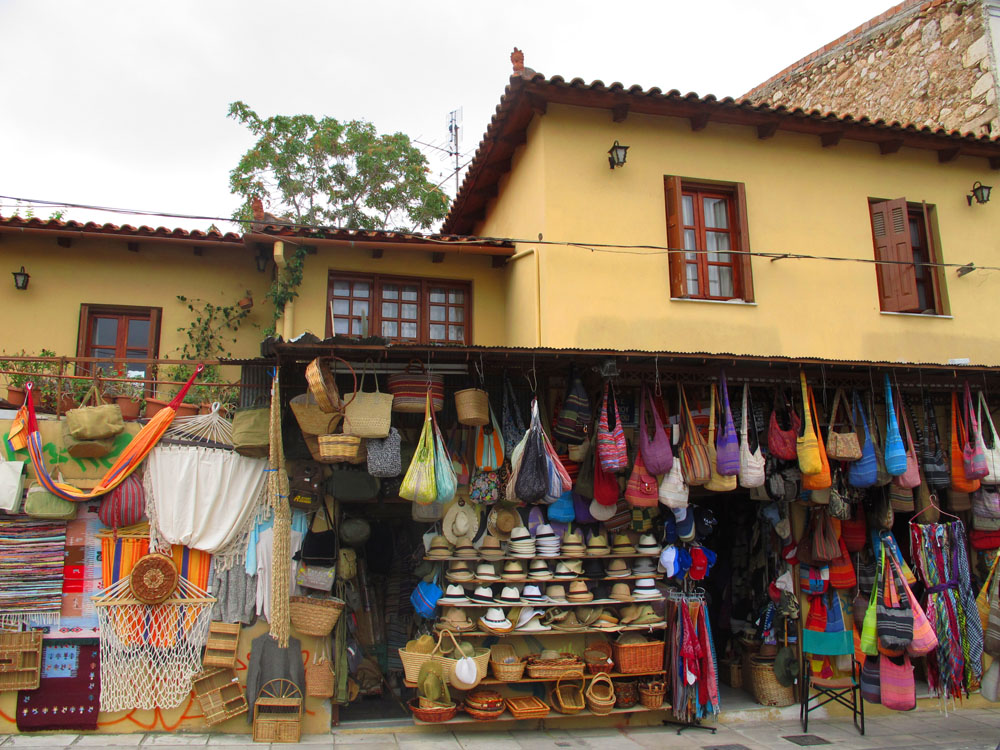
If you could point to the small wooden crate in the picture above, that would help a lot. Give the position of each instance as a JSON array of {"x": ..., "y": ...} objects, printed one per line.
[
  {"x": 277, "y": 712},
  {"x": 220, "y": 650},
  {"x": 220, "y": 695},
  {"x": 20, "y": 660}
]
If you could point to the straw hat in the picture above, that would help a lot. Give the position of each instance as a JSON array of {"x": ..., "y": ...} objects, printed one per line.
[
  {"x": 647, "y": 545},
  {"x": 530, "y": 621},
  {"x": 621, "y": 592},
  {"x": 563, "y": 572},
  {"x": 645, "y": 588},
  {"x": 465, "y": 549},
  {"x": 533, "y": 595},
  {"x": 501, "y": 521},
  {"x": 570, "y": 622},
  {"x": 601, "y": 512},
  {"x": 578, "y": 592},
  {"x": 482, "y": 595},
  {"x": 617, "y": 568},
  {"x": 460, "y": 522},
  {"x": 538, "y": 570},
  {"x": 572, "y": 543},
  {"x": 639, "y": 614},
  {"x": 786, "y": 666},
  {"x": 556, "y": 593},
  {"x": 486, "y": 571},
  {"x": 606, "y": 621},
  {"x": 622, "y": 545},
  {"x": 588, "y": 615},
  {"x": 459, "y": 570},
  {"x": 422, "y": 645},
  {"x": 491, "y": 548},
  {"x": 454, "y": 594},
  {"x": 495, "y": 621},
  {"x": 513, "y": 570},
  {"x": 454, "y": 618},
  {"x": 509, "y": 595},
  {"x": 597, "y": 546},
  {"x": 439, "y": 547}
]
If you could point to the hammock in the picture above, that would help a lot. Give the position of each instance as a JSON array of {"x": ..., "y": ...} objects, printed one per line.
[{"x": 127, "y": 462}]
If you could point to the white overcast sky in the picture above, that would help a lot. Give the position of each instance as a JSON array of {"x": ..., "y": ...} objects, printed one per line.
[{"x": 124, "y": 103}]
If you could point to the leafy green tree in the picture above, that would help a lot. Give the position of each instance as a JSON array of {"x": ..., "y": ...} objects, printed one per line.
[{"x": 330, "y": 173}]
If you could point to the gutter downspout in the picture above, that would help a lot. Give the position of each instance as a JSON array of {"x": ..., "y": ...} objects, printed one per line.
[
  {"x": 538, "y": 291},
  {"x": 288, "y": 312}
]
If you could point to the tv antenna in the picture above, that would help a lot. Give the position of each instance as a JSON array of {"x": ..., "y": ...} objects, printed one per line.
[{"x": 455, "y": 132}]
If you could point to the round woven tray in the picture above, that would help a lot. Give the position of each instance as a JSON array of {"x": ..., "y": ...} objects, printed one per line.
[{"x": 153, "y": 578}]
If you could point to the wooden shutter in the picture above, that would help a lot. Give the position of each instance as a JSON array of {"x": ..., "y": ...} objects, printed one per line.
[
  {"x": 742, "y": 262},
  {"x": 675, "y": 236},
  {"x": 897, "y": 284}
]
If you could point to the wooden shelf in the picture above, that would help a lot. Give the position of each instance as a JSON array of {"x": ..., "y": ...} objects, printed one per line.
[
  {"x": 621, "y": 629},
  {"x": 594, "y": 602},
  {"x": 549, "y": 581},
  {"x": 587, "y": 675},
  {"x": 557, "y": 557},
  {"x": 464, "y": 718}
]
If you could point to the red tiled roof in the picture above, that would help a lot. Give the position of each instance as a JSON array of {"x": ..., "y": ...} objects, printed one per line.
[
  {"x": 16, "y": 223},
  {"x": 365, "y": 235},
  {"x": 529, "y": 92}
]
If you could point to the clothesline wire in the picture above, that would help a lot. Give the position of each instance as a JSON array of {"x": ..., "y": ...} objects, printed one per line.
[{"x": 598, "y": 247}]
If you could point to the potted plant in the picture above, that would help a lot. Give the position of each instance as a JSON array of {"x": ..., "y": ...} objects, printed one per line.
[
  {"x": 18, "y": 374},
  {"x": 191, "y": 402},
  {"x": 130, "y": 395}
]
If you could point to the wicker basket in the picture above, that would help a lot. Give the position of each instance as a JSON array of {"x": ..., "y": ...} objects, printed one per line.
[
  {"x": 412, "y": 662},
  {"x": 339, "y": 448},
  {"x": 473, "y": 407},
  {"x": 626, "y": 693},
  {"x": 322, "y": 386},
  {"x": 312, "y": 616},
  {"x": 598, "y": 657},
  {"x": 528, "y": 707},
  {"x": 368, "y": 414},
  {"x": 600, "y": 695},
  {"x": 631, "y": 658},
  {"x": 21, "y": 662},
  {"x": 434, "y": 714},
  {"x": 220, "y": 649},
  {"x": 480, "y": 715},
  {"x": 311, "y": 418},
  {"x": 219, "y": 694},
  {"x": 651, "y": 693},
  {"x": 480, "y": 655},
  {"x": 552, "y": 668},
  {"x": 277, "y": 713},
  {"x": 567, "y": 698},
  {"x": 732, "y": 670},
  {"x": 507, "y": 671},
  {"x": 319, "y": 678},
  {"x": 765, "y": 687}
]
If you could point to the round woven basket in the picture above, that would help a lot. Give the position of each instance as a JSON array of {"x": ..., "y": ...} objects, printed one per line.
[
  {"x": 765, "y": 687},
  {"x": 337, "y": 448},
  {"x": 311, "y": 418},
  {"x": 626, "y": 693},
  {"x": 506, "y": 664},
  {"x": 600, "y": 695},
  {"x": 153, "y": 578},
  {"x": 322, "y": 386},
  {"x": 473, "y": 407},
  {"x": 651, "y": 694},
  {"x": 314, "y": 616}
]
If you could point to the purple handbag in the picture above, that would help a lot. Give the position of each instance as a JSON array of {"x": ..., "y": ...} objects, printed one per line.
[
  {"x": 656, "y": 452},
  {"x": 727, "y": 444}
]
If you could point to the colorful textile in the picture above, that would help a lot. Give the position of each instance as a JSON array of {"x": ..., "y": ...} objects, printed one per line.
[
  {"x": 119, "y": 556},
  {"x": 32, "y": 556},
  {"x": 68, "y": 696},
  {"x": 81, "y": 575}
]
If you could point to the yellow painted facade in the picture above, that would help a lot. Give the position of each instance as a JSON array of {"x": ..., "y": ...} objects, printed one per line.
[{"x": 801, "y": 198}]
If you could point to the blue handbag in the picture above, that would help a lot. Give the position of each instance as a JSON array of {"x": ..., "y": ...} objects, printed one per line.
[
  {"x": 562, "y": 511},
  {"x": 424, "y": 599},
  {"x": 895, "y": 453},
  {"x": 863, "y": 472}
]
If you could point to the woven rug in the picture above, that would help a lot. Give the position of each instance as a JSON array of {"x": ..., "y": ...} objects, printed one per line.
[
  {"x": 32, "y": 556},
  {"x": 69, "y": 695}
]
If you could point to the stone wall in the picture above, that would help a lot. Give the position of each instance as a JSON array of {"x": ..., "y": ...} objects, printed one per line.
[{"x": 923, "y": 63}]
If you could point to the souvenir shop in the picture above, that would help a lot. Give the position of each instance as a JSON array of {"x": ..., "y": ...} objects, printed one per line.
[{"x": 461, "y": 536}]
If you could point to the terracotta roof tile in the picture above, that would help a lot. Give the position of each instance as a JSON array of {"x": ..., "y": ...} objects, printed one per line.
[{"x": 13, "y": 223}]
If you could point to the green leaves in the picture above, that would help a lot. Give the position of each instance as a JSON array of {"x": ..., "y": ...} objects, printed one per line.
[{"x": 321, "y": 172}]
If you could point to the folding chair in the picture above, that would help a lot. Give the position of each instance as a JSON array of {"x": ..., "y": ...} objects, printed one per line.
[{"x": 844, "y": 690}]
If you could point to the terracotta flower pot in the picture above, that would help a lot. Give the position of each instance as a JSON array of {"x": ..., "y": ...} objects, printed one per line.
[
  {"x": 205, "y": 407},
  {"x": 15, "y": 395},
  {"x": 154, "y": 405},
  {"x": 67, "y": 403},
  {"x": 187, "y": 410},
  {"x": 130, "y": 407}
]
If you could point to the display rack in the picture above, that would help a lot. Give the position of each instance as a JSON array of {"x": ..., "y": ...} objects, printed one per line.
[{"x": 466, "y": 719}]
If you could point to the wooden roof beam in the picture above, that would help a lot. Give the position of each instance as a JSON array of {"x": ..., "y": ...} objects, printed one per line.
[
  {"x": 619, "y": 112},
  {"x": 538, "y": 103},
  {"x": 699, "y": 121},
  {"x": 831, "y": 139},
  {"x": 890, "y": 146},
  {"x": 994, "y": 162},
  {"x": 767, "y": 130},
  {"x": 946, "y": 155}
]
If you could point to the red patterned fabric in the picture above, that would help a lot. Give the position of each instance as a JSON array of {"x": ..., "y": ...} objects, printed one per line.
[{"x": 125, "y": 506}]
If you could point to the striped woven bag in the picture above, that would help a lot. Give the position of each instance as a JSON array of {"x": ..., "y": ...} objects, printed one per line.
[
  {"x": 125, "y": 505},
  {"x": 611, "y": 449}
]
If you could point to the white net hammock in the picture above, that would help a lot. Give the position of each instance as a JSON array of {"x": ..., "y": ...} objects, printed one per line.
[{"x": 150, "y": 652}]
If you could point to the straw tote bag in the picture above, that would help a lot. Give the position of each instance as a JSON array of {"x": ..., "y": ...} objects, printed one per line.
[
  {"x": 751, "y": 463},
  {"x": 717, "y": 482},
  {"x": 409, "y": 387},
  {"x": 992, "y": 452},
  {"x": 369, "y": 413},
  {"x": 842, "y": 446},
  {"x": 807, "y": 444}
]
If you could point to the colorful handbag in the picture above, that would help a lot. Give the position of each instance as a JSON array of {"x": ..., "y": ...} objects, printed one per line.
[
  {"x": 820, "y": 480},
  {"x": 457, "y": 447},
  {"x": 974, "y": 450},
  {"x": 657, "y": 454},
  {"x": 993, "y": 451},
  {"x": 937, "y": 473},
  {"x": 384, "y": 455},
  {"x": 924, "y": 640},
  {"x": 125, "y": 505},
  {"x": 695, "y": 461},
  {"x": 893, "y": 614},
  {"x": 894, "y": 455},
  {"x": 911, "y": 477},
  {"x": 444, "y": 473},
  {"x": 485, "y": 487},
  {"x": 419, "y": 484},
  {"x": 717, "y": 482},
  {"x": 871, "y": 688},
  {"x": 863, "y": 472},
  {"x": 573, "y": 424},
  {"x": 898, "y": 688},
  {"x": 612, "y": 451},
  {"x": 513, "y": 424},
  {"x": 490, "y": 445},
  {"x": 641, "y": 490},
  {"x": 959, "y": 481},
  {"x": 409, "y": 388},
  {"x": 751, "y": 462},
  {"x": 842, "y": 446},
  {"x": 882, "y": 475},
  {"x": 780, "y": 442},
  {"x": 606, "y": 488},
  {"x": 869, "y": 634},
  {"x": 807, "y": 444},
  {"x": 727, "y": 445}
]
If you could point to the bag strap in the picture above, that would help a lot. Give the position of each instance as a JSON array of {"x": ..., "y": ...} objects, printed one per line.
[
  {"x": 857, "y": 404},
  {"x": 807, "y": 417},
  {"x": 745, "y": 422},
  {"x": 957, "y": 425},
  {"x": 712, "y": 403},
  {"x": 970, "y": 418},
  {"x": 930, "y": 420},
  {"x": 726, "y": 408},
  {"x": 988, "y": 420},
  {"x": 612, "y": 404},
  {"x": 901, "y": 417}
]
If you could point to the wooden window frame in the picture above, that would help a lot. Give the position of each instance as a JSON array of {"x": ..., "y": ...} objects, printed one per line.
[
  {"x": 897, "y": 285},
  {"x": 423, "y": 315},
  {"x": 674, "y": 188},
  {"x": 90, "y": 311}
]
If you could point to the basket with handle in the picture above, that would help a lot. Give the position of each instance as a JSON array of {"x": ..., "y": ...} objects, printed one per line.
[
  {"x": 322, "y": 385},
  {"x": 339, "y": 447},
  {"x": 600, "y": 694},
  {"x": 506, "y": 664},
  {"x": 639, "y": 657},
  {"x": 473, "y": 407},
  {"x": 597, "y": 656},
  {"x": 765, "y": 687},
  {"x": 481, "y": 656},
  {"x": 368, "y": 414},
  {"x": 409, "y": 389},
  {"x": 651, "y": 693},
  {"x": 567, "y": 698},
  {"x": 312, "y": 616},
  {"x": 319, "y": 675}
]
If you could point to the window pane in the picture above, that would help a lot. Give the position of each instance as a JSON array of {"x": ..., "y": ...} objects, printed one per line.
[
  {"x": 409, "y": 312},
  {"x": 138, "y": 333},
  {"x": 456, "y": 333},
  {"x": 692, "y": 279},
  {"x": 359, "y": 308},
  {"x": 456, "y": 314},
  {"x": 355, "y": 327},
  {"x": 437, "y": 312},
  {"x": 437, "y": 332},
  {"x": 689, "y": 240},
  {"x": 390, "y": 291},
  {"x": 389, "y": 328},
  {"x": 389, "y": 309},
  {"x": 716, "y": 241},
  {"x": 410, "y": 293},
  {"x": 437, "y": 295},
  {"x": 687, "y": 210},
  {"x": 408, "y": 330},
  {"x": 342, "y": 288},
  {"x": 456, "y": 297},
  {"x": 341, "y": 307},
  {"x": 716, "y": 213},
  {"x": 340, "y": 326},
  {"x": 105, "y": 332},
  {"x": 136, "y": 371},
  {"x": 360, "y": 288},
  {"x": 136, "y": 353},
  {"x": 720, "y": 281},
  {"x": 109, "y": 353}
]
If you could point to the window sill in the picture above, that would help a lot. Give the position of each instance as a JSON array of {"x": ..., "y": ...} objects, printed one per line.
[
  {"x": 731, "y": 302},
  {"x": 917, "y": 315}
]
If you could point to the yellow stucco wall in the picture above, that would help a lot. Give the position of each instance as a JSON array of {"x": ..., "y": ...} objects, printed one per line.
[{"x": 801, "y": 198}]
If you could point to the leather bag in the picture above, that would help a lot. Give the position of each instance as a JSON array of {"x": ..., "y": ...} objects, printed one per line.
[{"x": 842, "y": 446}]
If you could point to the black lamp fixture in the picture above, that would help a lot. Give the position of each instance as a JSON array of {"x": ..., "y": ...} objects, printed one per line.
[
  {"x": 980, "y": 192},
  {"x": 261, "y": 259},
  {"x": 617, "y": 154},
  {"x": 21, "y": 279}
]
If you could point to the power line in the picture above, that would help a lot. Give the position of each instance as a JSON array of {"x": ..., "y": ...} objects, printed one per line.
[{"x": 595, "y": 247}]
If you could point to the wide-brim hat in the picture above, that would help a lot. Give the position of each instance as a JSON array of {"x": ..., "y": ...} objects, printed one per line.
[
  {"x": 529, "y": 620},
  {"x": 454, "y": 594},
  {"x": 465, "y": 549},
  {"x": 533, "y": 595},
  {"x": 606, "y": 620},
  {"x": 538, "y": 566},
  {"x": 639, "y": 614},
  {"x": 597, "y": 546},
  {"x": 501, "y": 521},
  {"x": 588, "y": 615},
  {"x": 487, "y": 572},
  {"x": 621, "y": 592},
  {"x": 482, "y": 595},
  {"x": 786, "y": 666},
  {"x": 495, "y": 621},
  {"x": 647, "y": 545},
  {"x": 520, "y": 533},
  {"x": 513, "y": 570},
  {"x": 491, "y": 547},
  {"x": 645, "y": 588},
  {"x": 460, "y": 522},
  {"x": 644, "y": 566},
  {"x": 578, "y": 592},
  {"x": 509, "y": 595},
  {"x": 556, "y": 593},
  {"x": 440, "y": 547},
  {"x": 617, "y": 569},
  {"x": 563, "y": 572},
  {"x": 622, "y": 545},
  {"x": 569, "y": 623},
  {"x": 454, "y": 618},
  {"x": 459, "y": 570}
]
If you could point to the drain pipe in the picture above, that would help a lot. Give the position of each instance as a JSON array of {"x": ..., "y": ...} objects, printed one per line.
[
  {"x": 538, "y": 290},
  {"x": 288, "y": 311}
]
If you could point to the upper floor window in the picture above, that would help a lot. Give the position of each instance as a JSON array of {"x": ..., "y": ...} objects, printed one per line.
[
  {"x": 120, "y": 333},
  {"x": 709, "y": 222},
  {"x": 420, "y": 311},
  {"x": 903, "y": 236}
]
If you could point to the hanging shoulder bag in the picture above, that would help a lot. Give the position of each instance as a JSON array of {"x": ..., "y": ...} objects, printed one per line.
[
  {"x": 863, "y": 472},
  {"x": 641, "y": 490},
  {"x": 532, "y": 479},
  {"x": 695, "y": 461},
  {"x": 960, "y": 482},
  {"x": 974, "y": 450},
  {"x": 384, "y": 455},
  {"x": 445, "y": 479},
  {"x": 911, "y": 477},
  {"x": 807, "y": 444},
  {"x": 818, "y": 482},
  {"x": 611, "y": 448},
  {"x": 512, "y": 424},
  {"x": 573, "y": 424},
  {"x": 882, "y": 475},
  {"x": 895, "y": 453},
  {"x": 992, "y": 452},
  {"x": 419, "y": 484},
  {"x": 717, "y": 481},
  {"x": 657, "y": 454},
  {"x": 781, "y": 442},
  {"x": 727, "y": 445},
  {"x": 319, "y": 548},
  {"x": 751, "y": 462},
  {"x": 937, "y": 473},
  {"x": 673, "y": 490},
  {"x": 490, "y": 445},
  {"x": 842, "y": 446}
]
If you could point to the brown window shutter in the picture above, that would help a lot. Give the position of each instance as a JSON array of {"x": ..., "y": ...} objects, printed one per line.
[
  {"x": 743, "y": 261},
  {"x": 932, "y": 256},
  {"x": 897, "y": 284},
  {"x": 675, "y": 236}
]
